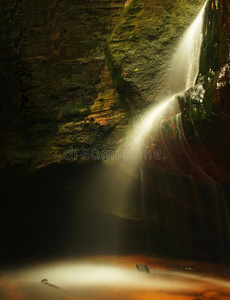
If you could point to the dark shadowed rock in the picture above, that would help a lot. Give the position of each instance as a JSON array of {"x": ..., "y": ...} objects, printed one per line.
[
  {"x": 46, "y": 282},
  {"x": 142, "y": 268}
]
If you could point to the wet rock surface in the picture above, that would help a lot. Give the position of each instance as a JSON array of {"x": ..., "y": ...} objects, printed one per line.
[{"x": 196, "y": 141}]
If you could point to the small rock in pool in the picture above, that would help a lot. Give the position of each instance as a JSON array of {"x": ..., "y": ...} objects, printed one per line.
[
  {"x": 142, "y": 268},
  {"x": 45, "y": 281}
]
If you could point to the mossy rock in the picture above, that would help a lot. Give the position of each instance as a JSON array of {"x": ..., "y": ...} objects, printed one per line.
[{"x": 141, "y": 47}]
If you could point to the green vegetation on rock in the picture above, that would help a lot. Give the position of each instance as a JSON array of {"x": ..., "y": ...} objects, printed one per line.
[{"x": 144, "y": 40}]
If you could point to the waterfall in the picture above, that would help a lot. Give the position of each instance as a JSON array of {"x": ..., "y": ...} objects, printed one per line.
[
  {"x": 187, "y": 56},
  {"x": 184, "y": 74},
  {"x": 121, "y": 192}
]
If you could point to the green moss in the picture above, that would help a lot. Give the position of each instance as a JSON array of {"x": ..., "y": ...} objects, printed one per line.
[
  {"x": 198, "y": 113},
  {"x": 70, "y": 83},
  {"x": 146, "y": 35},
  {"x": 116, "y": 72},
  {"x": 210, "y": 54}
]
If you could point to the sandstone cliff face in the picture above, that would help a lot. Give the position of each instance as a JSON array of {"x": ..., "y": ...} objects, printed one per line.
[
  {"x": 56, "y": 89},
  {"x": 58, "y": 95},
  {"x": 73, "y": 74}
]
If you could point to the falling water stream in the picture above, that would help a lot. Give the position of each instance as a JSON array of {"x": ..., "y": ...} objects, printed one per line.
[
  {"x": 121, "y": 184},
  {"x": 115, "y": 277},
  {"x": 183, "y": 77}
]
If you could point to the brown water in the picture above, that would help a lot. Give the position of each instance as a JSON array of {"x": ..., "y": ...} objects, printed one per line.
[{"x": 116, "y": 278}]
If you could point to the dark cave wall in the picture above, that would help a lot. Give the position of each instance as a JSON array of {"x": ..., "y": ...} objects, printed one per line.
[{"x": 62, "y": 211}]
